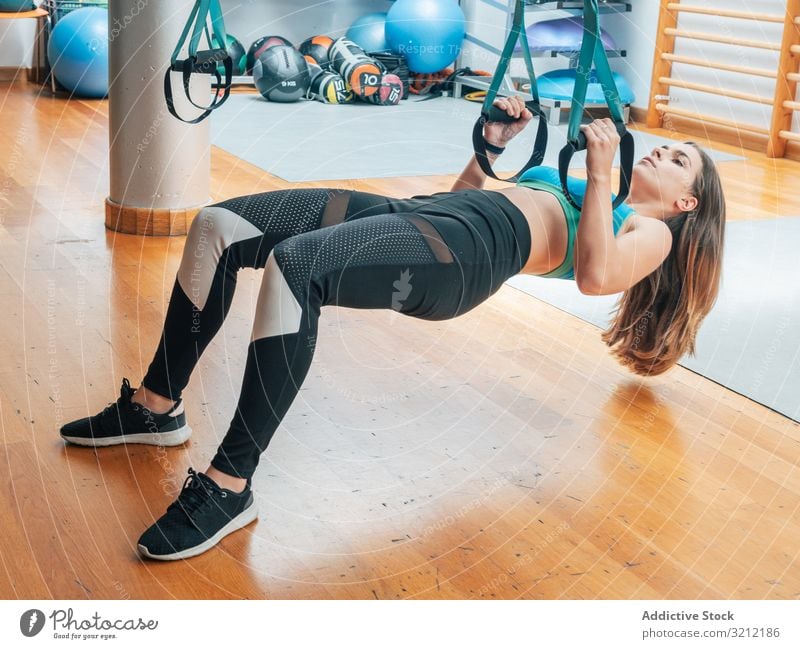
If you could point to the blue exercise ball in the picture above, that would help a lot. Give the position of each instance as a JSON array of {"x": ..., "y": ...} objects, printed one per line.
[
  {"x": 428, "y": 33},
  {"x": 560, "y": 84},
  {"x": 78, "y": 52},
  {"x": 369, "y": 32},
  {"x": 561, "y": 35}
]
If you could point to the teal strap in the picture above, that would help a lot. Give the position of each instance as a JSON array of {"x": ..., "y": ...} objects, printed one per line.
[
  {"x": 491, "y": 113},
  {"x": 218, "y": 24},
  {"x": 198, "y": 24},
  {"x": 201, "y": 61},
  {"x": 517, "y": 33},
  {"x": 593, "y": 51},
  {"x": 186, "y": 28}
]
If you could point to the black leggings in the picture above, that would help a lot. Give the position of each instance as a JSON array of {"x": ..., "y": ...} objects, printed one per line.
[{"x": 431, "y": 257}]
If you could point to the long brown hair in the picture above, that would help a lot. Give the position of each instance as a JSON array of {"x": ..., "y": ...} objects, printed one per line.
[{"x": 656, "y": 320}]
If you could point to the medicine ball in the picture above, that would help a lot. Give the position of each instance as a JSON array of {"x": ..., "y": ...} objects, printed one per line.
[
  {"x": 235, "y": 50},
  {"x": 327, "y": 86},
  {"x": 390, "y": 91},
  {"x": 281, "y": 74},
  {"x": 260, "y": 46},
  {"x": 317, "y": 48},
  {"x": 353, "y": 64}
]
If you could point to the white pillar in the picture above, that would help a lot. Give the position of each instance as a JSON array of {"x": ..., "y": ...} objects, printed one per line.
[{"x": 159, "y": 166}]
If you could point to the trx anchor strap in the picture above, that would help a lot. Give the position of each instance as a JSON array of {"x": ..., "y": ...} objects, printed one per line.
[
  {"x": 592, "y": 49},
  {"x": 203, "y": 61},
  {"x": 490, "y": 113}
]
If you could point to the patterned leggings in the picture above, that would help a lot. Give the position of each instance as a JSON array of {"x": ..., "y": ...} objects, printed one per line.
[{"x": 433, "y": 257}]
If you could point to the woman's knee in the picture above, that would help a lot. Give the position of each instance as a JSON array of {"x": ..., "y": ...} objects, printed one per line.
[
  {"x": 279, "y": 307},
  {"x": 214, "y": 229},
  {"x": 212, "y": 232},
  {"x": 202, "y": 231}
]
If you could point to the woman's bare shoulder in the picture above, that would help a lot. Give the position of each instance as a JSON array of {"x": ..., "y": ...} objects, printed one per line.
[{"x": 637, "y": 222}]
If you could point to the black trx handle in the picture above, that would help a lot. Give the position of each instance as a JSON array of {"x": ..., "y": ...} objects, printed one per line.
[
  {"x": 205, "y": 62},
  {"x": 495, "y": 114},
  {"x": 626, "y": 153}
]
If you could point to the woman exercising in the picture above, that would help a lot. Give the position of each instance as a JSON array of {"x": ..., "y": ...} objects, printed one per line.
[{"x": 433, "y": 257}]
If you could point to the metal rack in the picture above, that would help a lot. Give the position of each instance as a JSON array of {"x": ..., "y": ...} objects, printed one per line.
[
  {"x": 560, "y": 7},
  {"x": 60, "y": 8}
]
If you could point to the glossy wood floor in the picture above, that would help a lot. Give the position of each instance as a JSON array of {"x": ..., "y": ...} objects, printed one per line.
[{"x": 499, "y": 455}]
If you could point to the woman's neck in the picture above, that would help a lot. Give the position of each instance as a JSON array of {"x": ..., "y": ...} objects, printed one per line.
[{"x": 652, "y": 209}]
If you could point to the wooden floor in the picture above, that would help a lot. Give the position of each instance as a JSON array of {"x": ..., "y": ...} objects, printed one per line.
[{"x": 500, "y": 455}]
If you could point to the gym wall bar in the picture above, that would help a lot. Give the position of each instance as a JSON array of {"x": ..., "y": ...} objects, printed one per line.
[{"x": 786, "y": 74}]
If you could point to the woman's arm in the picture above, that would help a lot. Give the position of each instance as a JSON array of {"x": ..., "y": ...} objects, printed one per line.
[
  {"x": 472, "y": 177},
  {"x": 596, "y": 254},
  {"x": 498, "y": 134},
  {"x": 605, "y": 264},
  {"x": 640, "y": 251}
]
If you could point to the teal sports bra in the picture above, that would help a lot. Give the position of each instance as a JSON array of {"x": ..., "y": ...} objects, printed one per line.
[{"x": 546, "y": 179}]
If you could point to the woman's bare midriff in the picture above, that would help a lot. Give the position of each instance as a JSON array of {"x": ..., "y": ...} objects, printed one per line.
[{"x": 547, "y": 224}]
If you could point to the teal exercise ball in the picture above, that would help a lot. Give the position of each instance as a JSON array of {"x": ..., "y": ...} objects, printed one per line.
[
  {"x": 428, "y": 33},
  {"x": 369, "y": 32},
  {"x": 15, "y": 6},
  {"x": 78, "y": 52},
  {"x": 560, "y": 85}
]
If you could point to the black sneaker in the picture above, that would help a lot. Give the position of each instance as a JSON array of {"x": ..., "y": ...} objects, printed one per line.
[
  {"x": 202, "y": 515},
  {"x": 126, "y": 422}
]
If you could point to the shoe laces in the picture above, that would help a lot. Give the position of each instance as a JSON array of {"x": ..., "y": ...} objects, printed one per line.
[
  {"x": 196, "y": 494},
  {"x": 112, "y": 411}
]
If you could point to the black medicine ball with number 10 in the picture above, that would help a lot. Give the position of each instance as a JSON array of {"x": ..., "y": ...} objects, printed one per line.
[
  {"x": 353, "y": 64},
  {"x": 281, "y": 74}
]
